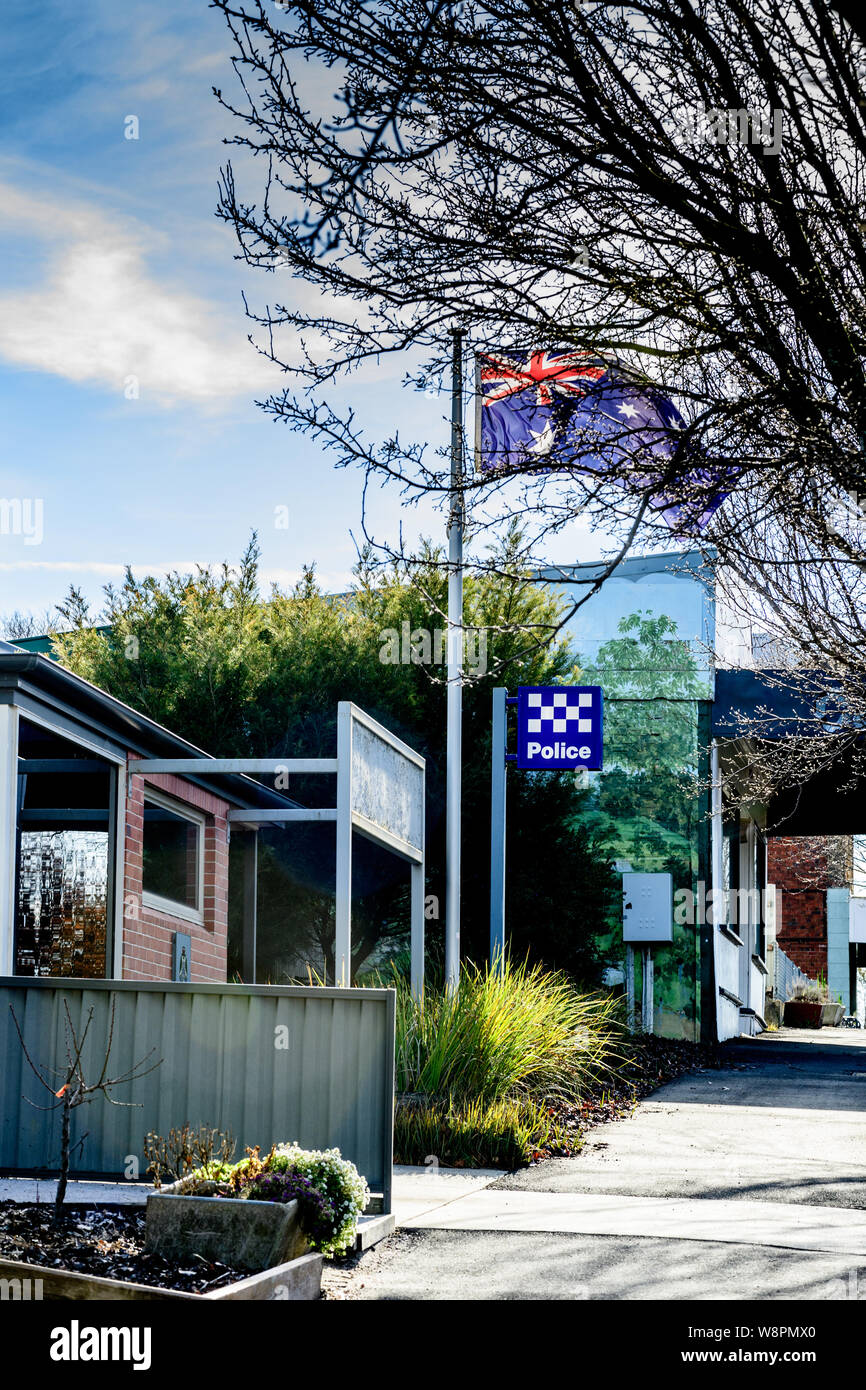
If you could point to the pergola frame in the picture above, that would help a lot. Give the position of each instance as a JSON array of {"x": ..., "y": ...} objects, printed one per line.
[{"x": 372, "y": 807}]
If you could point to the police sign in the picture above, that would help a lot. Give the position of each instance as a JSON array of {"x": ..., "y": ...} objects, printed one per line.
[{"x": 559, "y": 726}]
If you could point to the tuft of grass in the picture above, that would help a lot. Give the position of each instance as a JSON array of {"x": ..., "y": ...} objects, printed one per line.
[
  {"x": 522, "y": 1034},
  {"x": 475, "y": 1133}
]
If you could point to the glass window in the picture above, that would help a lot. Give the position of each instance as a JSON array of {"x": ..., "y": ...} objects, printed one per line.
[
  {"x": 62, "y": 915},
  {"x": 65, "y": 871},
  {"x": 172, "y": 858}
]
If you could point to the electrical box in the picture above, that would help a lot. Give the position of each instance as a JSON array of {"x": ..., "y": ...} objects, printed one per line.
[
  {"x": 857, "y": 920},
  {"x": 647, "y": 908}
]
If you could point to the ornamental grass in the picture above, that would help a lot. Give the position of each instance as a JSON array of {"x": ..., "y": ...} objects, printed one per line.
[{"x": 522, "y": 1033}]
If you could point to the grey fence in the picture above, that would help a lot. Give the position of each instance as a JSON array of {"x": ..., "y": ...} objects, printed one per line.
[{"x": 269, "y": 1063}]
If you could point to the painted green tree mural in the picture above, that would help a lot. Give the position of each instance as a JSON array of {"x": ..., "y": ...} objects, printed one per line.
[{"x": 644, "y": 808}]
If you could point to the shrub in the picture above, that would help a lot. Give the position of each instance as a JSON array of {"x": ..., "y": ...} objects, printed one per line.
[
  {"x": 329, "y": 1224},
  {"x": 186, "y": 1150},
  {"x": 526, "y": 1032},
  {"x": 815, "y": 992},
  {"x": 475, "y": 1134},
  {"x": 479, "y": 1067},
  {"x": 336, "y": 1178}
]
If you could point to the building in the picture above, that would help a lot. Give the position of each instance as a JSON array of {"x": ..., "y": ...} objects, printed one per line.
[
  {"x": 802, "y": 870},
  {"x": 115, "y": 832},
  {"x": 105, "y": 873},
  {"x": 679, "y": 668}
]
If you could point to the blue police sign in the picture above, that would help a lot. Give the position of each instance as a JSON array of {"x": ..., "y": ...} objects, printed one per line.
[{"x": 559, "y": 726}]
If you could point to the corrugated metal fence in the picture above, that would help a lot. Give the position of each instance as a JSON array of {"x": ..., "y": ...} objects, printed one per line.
[
  {"x": 786, "y": 975},
  {"x": 224, "y": 1063}
]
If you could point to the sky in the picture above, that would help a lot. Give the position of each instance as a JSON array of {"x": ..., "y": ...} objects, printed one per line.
[{"x": 130, "y": 433}]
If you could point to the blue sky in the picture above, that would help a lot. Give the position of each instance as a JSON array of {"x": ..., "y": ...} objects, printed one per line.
[{"x": 113, "y": 267}]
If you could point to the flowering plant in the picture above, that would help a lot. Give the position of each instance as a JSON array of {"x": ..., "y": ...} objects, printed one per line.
[
  {"x": 335, "y": 1178},
  {"x": 330, "y": 1192},
  {"x": 315, "y": 1212}
]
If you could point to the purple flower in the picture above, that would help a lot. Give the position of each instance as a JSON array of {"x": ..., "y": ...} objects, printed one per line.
[{"x": 316, "y": 1214}]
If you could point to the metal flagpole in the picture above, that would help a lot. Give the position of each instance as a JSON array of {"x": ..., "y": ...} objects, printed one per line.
[
  {"x": 454, "y": 763},
  {"x": 499, "y": 743}
]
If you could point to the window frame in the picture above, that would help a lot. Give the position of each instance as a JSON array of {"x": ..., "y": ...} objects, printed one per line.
[{"x": 168, "y": 906}]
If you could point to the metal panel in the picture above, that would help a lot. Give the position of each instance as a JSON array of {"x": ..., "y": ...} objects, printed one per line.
[
  {"x": 387, "y": 783},
  {"x": 857, "y": 920},
  {"x": 787, "y": 976},
  {"x": 647, "y": 907},
  {"x": 332, "y": 1087},
  {"x": 728, "y": 979}
]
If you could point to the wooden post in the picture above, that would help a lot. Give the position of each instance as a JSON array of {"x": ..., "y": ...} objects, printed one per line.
[
  {"x": 629, "y": 986},
  {"x": 647, "y": 1002}
]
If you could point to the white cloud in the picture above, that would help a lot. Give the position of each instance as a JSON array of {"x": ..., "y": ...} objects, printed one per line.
[
  {"x": 101, "y": 316},
  {"x": 107, "y": 569},
  {"x": 331, "y": 581}
]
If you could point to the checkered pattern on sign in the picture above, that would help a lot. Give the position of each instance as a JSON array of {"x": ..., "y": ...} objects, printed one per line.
[{"x": 564, "y": 712}]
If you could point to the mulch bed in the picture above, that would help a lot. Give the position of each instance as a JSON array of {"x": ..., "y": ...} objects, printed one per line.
[
  {"x": 104, "y": 1241},
  {"x": 656, "y": 1061}
]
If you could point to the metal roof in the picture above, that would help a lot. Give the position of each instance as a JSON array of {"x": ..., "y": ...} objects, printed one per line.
[{"x": 632, "y": 567}]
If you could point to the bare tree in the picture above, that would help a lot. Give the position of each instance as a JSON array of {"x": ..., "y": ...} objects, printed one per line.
[
  {"x": 21, "y": 624},
  {"x": 75, "y": 1089},
  {"x": 677, "y": 184}
]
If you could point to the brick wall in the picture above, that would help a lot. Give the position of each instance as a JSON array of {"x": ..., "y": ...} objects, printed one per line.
[
  {"x": 803, "y": 867},
  {"x": 147, "y": 934}
]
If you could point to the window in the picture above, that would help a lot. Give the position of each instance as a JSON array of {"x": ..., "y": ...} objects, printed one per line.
[
  {"x": 173, "y": 858},
  {"x": 64, "y": 889}
]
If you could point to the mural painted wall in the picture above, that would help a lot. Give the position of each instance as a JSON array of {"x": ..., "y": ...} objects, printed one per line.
[{"x": 653, "y": 664}]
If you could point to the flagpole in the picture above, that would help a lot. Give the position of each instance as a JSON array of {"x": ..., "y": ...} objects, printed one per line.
[{"x": 454, "y": 757}]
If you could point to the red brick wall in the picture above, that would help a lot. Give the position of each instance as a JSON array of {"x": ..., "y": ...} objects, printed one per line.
[
  {"x": 803, "y": 867},
  {"x": 147, "y": 934}
]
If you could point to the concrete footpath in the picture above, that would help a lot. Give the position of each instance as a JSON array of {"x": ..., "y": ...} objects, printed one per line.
[{"x": 748, "y": 1183}]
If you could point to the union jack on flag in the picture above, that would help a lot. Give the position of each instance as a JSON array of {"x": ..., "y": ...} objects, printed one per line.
[
  {"x": 549, "y": 373},
  {"x": 559, "y": 409}
]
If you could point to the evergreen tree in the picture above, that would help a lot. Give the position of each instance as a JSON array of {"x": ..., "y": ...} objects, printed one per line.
[{"x": 246, "y": 675}]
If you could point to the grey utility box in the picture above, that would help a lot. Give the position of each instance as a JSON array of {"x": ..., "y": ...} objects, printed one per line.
[{"x": 647, "y": 908}]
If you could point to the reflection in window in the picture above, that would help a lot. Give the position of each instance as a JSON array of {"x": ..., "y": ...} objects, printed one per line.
[
  {"x": 62, "y": 903},
  {"x": 171, "y": 857}
]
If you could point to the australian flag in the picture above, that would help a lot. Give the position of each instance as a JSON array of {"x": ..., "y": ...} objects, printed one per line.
[{"x": 567, "y": 409}]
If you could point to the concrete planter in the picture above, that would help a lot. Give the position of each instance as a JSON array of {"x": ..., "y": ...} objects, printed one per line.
[
  {"x": 831, "y": 1015},
  {"x": 235, "y": 1231},
  {"x": 801, "y": 1014}
]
